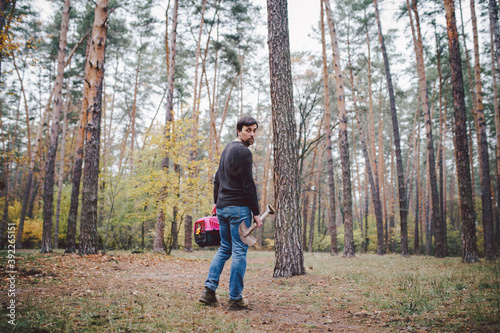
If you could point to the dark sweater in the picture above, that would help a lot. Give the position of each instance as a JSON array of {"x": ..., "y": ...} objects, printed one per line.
[{"x": 233, "y": 182}]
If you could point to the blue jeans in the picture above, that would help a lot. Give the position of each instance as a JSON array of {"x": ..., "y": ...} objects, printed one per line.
[{"x": 230, "y": 219}]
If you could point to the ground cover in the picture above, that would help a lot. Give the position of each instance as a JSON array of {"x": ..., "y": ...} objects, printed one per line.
[{"x": 145, "y": 292}]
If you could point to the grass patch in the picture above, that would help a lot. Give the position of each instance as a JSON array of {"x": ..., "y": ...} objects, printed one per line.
[{"x": 123, "y": 292}]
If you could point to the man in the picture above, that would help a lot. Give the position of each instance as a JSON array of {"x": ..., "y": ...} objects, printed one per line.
[{"x": 235, "y": 196}]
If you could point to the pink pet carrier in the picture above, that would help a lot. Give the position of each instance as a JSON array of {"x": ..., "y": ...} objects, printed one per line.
[{"x": 206, "y": 231}]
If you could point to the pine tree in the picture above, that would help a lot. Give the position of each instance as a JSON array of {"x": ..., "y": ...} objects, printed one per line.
[{"x": 289, "y": 253}]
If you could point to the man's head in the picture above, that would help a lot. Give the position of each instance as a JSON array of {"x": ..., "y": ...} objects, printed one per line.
[{"x": 246, "y": 129}]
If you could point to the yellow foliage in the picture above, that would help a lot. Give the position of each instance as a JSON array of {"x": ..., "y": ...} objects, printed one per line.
[
  {"x": 187, "y": 185},
  {"x": 32, "y": 231}
]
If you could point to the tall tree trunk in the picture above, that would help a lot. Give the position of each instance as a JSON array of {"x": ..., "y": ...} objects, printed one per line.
[
  {"x": 88, "y": 225},
  {"x": 416, "y": 242},
  {"x": 439, "y": 240},
  {"x": 265, "y": 179},
  {"x": 331, "y": 181},
  {"x": 484, "y": 159},
  {"x": 6, "y": 170},
  {"x": 391, "y": 243},
  {"x": 188, "y": 246},
  {"x": 305, "y": 210},
  {"x": 373, "y": 151},
  {"x": 61, "y": 171},
  {"x": 315, "y": 199},
  {"x": 372, "y": 175},
  {"x": 381, "y": 179},
  {"x": 159, "y": 241},
  {"x": 343, "y": 139},
  {"x": 160, "y": 221},
  {"x": 469, "y": 245},
  {"x": 289, "y": 254},
  {"x": 78, "y": 160},
  {"x": 493, "y": 15},
  {"x": 48, "y": 188},
  {"x": 395, "y": 126},
  {"x": 494, "y": 26},
  {"x": 188, "y": 234},
  {"x": 441, "y": 147}
]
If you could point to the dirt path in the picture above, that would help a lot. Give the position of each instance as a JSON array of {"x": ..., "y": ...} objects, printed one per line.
[{"x": 147, "y": 292}]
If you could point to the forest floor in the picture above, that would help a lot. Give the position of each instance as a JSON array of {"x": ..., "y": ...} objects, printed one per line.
[{"x": 124, "y": 292}]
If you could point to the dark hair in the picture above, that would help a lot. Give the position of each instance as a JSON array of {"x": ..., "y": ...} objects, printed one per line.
[{"x": 245, "y": 121}]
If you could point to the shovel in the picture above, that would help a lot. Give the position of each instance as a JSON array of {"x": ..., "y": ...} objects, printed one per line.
[{"x": 245, "y": 236}]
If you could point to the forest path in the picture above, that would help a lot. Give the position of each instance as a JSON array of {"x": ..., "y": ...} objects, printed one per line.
[{"x": 158, "y": 293}]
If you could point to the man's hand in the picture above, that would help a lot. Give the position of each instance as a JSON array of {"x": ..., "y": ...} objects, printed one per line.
[{"x": 258, "y": 220}]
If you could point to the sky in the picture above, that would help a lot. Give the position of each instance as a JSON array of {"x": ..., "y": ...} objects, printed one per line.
[{"x": 303, "y": 15}]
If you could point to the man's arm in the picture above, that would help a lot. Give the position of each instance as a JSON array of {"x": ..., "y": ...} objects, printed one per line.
[
  {"x": 247, "y": 181},
  {"x": 216, "y": 186}
]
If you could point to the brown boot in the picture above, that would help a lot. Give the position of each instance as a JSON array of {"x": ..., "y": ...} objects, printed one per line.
[
  {"x": 209, "y": 297},
  {"x": 239, "y": 304}
]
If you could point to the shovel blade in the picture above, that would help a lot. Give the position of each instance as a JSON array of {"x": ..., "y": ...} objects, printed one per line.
[{"x": 249, "y": 240}]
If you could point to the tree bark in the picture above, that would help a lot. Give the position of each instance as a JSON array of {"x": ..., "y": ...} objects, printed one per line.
[
  {"x": 289, "y": 254},
  {"x": 331, "y": 181},
  {"x": 61, "y": 171},
  {"x": 194, "y": 125},
  {"x": 265, "y": 179},
  {"x": 48, "y": 188},
  {"x": 160, "y": 221},
  {"x": 493, "y": 15},
  {"x": 395, "y": 126},
  {"x": 372, "y": 148},
  {"x": 78, "y": 159},
  {"x": 381, "y": 179},
  {"x": 484, "y": 159},
  {"x": 188, "y": 235},
  {"x": 439, "y": 239},
  {"x": 416, "y": 243},
  {"x": 88, "y": 225},
  {"x": 315, "y": 197},
  {"x": 343, "y": 139},
  {"x": 441, "y": 147},
  {"x": 469, "y": 246}
]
